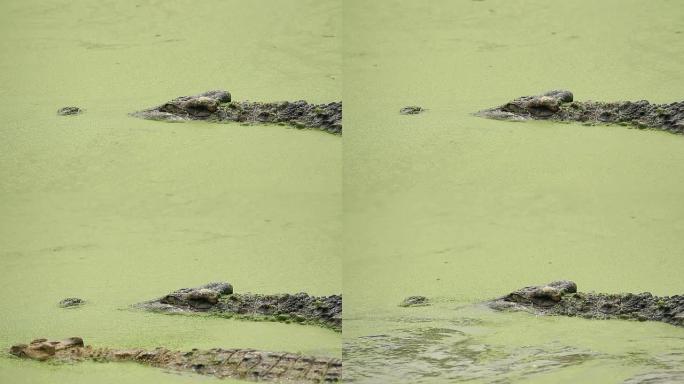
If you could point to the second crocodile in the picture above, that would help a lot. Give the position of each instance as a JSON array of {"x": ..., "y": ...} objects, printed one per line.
[{"x": 243, "y": 364}]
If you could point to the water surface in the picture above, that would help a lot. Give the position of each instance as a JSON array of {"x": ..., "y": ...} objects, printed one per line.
[
  {"x": 463, "y": 209},
  {"x": 118, "y": 210}
]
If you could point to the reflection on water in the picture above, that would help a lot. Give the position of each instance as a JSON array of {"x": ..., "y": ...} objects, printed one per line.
[
  {"x": 459, "y": 349},
  {"x": 427, "y": 355},
  {"x": 421, "y": 355},
  {"x": 658, "y": 378}
]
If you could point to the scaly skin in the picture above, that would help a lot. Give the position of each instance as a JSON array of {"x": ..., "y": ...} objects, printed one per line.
[
  {"x": 561, "y": 298},
  {"x": 219, "y": 299},
  {"x": 558, "y": 105},
  {"x": 244, "y": 364},
  {"x": 216, "y": 106}
]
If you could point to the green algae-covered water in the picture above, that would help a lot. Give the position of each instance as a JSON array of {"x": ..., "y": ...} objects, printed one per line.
[
  {"x": 118, "y": 210},
  {"x": 443, "y": 204},
  {"x": 463, "y": 209}
]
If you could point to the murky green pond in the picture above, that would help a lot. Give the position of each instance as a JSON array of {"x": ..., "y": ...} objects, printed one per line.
[
  {"x": 443, "y": 204},
  {"x": 463, "y": 209},
  {"x": 118, "y": 210}
]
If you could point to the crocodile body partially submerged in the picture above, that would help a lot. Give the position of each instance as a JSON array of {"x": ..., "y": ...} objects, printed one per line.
[
  {"x": 217, "y": 106},
  {"x": 244, "y": 364},
  {"x": 558, "y": 105},
  {"x": 219, "y": 299},
  {"x": 561, "y": 298}
]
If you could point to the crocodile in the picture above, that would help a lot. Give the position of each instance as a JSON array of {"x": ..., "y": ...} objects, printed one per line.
[
  {"x": 558, "y": 105},
  {"x": 219, "y": 299},
  {"x": 242, "y": 364},
  {"x": 562, "y": 298},
  {"x": 217, "y": 106}
]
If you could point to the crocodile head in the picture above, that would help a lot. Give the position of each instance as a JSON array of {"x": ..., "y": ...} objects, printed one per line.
[
  {"x": 196, "y": 107},
  {"x": 201, "y": 298},
  {"x": 44, "y": 349},
  {"x": 526, "y": 107},
  {"x": 200, "y": 106},
  {"x": 542, "y": 295}
]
